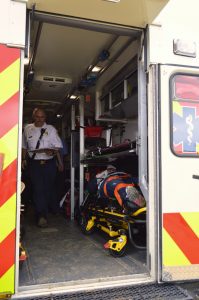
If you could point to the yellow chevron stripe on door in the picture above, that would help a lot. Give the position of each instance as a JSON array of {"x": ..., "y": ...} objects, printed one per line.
[
  {"x": 9, "y": 81},
  {"x": 8, "y": 145},
  {"x": 193, "y": 220},
  {"x": 172, "y": 254},
  {"x": 8, "y": 212}
]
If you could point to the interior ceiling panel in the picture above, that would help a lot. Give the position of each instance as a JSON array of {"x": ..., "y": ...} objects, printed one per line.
[
  {"x": 67, "y": 52},
  {"x": 136, "y": 13},
  {"x": 64, "y": 53}
]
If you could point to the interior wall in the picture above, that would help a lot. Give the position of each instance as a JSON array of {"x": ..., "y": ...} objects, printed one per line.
[
  {"x": 125, "y": 131},
  {"x": 131, "y": 130}
]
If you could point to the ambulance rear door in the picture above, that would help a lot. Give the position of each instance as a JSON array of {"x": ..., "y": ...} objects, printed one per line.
[{"x": 178, "y": 148}]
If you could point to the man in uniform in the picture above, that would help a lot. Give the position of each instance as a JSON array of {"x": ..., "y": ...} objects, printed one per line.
[{"x": 41, "y": 144}]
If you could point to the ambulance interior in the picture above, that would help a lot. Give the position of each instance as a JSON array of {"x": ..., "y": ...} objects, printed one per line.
[{"x": 97, "y": 67}]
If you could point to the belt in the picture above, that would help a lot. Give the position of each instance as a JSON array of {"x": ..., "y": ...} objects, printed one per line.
[{"x": 41, "y": 161}]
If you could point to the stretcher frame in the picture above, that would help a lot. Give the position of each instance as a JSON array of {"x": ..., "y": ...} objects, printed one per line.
[{"x": 120, "y": 224}]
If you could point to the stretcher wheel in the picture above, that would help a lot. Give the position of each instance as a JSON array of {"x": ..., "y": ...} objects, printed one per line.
[
  {"x": 83, "y": 224},
  {"x": 118, "y": 253}
]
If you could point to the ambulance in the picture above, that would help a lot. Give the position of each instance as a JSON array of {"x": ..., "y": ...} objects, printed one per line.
[{"x": 130, "y": 68}]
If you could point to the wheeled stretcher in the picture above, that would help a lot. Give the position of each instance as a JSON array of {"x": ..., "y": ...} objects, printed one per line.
[{"x": 122, "y": 225}]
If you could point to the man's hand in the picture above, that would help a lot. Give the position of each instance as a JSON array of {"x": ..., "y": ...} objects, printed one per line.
[
  {"x": 60, "y": 167},
  {"x": 24, "y": 164},
  {"x": 50, "y": 152}
]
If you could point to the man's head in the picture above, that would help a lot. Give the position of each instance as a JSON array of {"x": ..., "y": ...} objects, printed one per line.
[
  {"x": 39, "y": 117},
  {"x": 111, "y": 168}
]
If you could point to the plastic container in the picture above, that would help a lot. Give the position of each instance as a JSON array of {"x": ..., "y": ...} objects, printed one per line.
[{"x": 95, "y": 131}]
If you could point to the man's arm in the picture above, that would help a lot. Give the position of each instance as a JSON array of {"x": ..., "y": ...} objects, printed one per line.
[
  {"x": 60, "y": 162},
  {"x": 55, "y": 139},
  {"x": 24, "y": 158}
]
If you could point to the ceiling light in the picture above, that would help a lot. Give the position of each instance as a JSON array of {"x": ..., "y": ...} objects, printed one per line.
[
  {"x": 73, "y": 97},
  {"x": 59, "y": 116},
  {"x": 96, "y": 69}
]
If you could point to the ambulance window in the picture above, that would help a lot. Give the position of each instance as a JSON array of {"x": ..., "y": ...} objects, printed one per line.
[
  {"x": 185, "y": 114},
  {"x": 132, "y": 85},
  {"x": 117, "y": 94}
]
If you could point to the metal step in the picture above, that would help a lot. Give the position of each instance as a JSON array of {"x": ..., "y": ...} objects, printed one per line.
[{"x": 146, "y": 292}]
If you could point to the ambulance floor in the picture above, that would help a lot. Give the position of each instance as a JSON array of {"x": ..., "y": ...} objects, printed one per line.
[{"x": 61, "y": 253}]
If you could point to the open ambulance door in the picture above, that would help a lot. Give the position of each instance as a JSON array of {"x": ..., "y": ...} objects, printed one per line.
[
  {"x": 178, "y": 149},
  {"x": 142, "y": 144}
]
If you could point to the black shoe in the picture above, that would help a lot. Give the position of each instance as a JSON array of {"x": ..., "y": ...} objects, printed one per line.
[{"x": 42, "y": 222}]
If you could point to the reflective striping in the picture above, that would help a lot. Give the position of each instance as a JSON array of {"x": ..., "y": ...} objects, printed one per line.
[
  {"x": 116, "y": 191},
  {"x": 8, "y": 55},
  {"x": 6, "y": 279},
  {"x": 183, "y": 235},
  {"x": 171, "y": 251},
  {"x": 8, "y": 212},
  {"x": 9, "y": 112},
  {"x": 7, "y": 253},
  {"x": 9, "y": 81},
  {"x": 8, "y": 146},
  {"x": 8, "y": 115},
  {"x": 193, "y": 220},
  {"x": 8, "y": 183}
]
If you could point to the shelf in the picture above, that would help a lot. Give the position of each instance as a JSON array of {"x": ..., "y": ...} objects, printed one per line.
[{"x": 107, "y": 158}]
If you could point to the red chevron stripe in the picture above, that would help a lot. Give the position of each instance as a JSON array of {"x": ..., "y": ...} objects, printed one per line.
[
  {"x": 8, "y": 183},
  {"x": 8, "y": 56},
  {"x": 183, "y": 235},
  {"x": 7, "y": 253},
  {"x": 9, "y": 114}
]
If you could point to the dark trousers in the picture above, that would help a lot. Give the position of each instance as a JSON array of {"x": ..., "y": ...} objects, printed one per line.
[{"x": 43, "y": 186}]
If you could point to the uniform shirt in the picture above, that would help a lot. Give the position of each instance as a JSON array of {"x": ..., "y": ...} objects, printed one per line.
[{"x": 49, "y": 140}]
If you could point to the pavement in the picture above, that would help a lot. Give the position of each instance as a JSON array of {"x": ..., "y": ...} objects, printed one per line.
[{"x": 192, "y": 288}]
